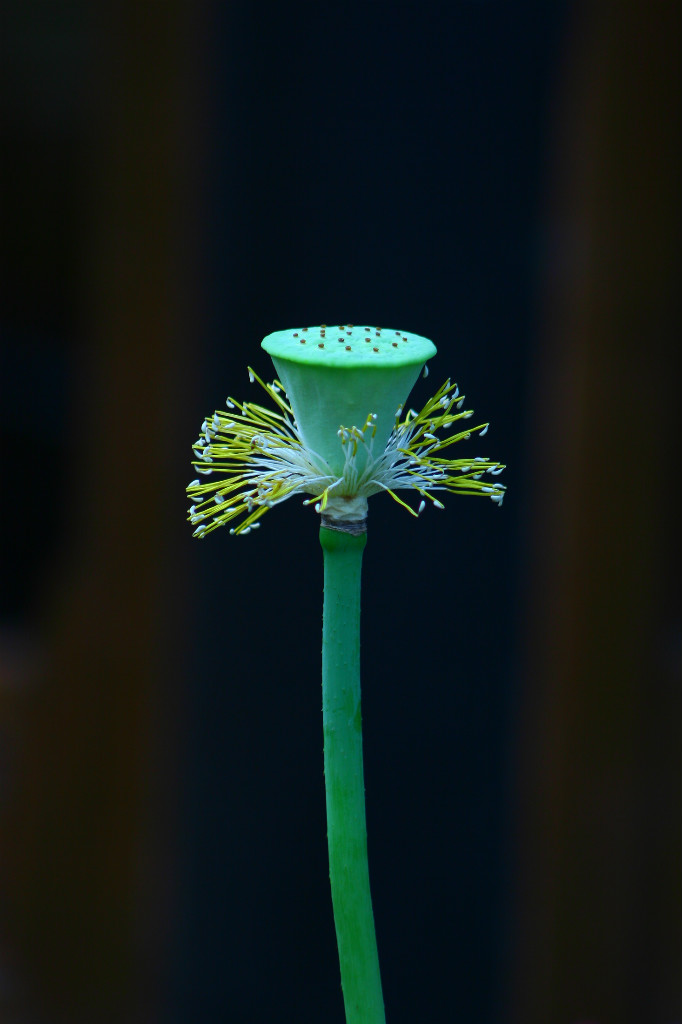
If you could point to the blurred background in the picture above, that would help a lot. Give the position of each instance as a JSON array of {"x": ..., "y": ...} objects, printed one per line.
[{"x": 180, "y": 179}]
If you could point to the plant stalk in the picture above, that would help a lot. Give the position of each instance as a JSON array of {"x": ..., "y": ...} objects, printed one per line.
[{"x": 344, "y": 778}]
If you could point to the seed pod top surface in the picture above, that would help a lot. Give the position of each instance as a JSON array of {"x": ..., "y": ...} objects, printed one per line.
[{"x": 348, "y": 346}]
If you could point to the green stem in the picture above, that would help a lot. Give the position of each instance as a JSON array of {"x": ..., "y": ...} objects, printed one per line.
[{"x": 344, "y": 780}]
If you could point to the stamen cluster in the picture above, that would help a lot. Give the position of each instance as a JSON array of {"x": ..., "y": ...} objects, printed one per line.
[{"x": 259, "y": 460}]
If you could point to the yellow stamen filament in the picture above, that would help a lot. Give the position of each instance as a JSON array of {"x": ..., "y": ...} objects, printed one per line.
[{"x": 258, "y": 460}]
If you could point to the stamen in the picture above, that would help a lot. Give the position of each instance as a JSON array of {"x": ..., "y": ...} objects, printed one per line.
[{"x": 264, "y": 461}]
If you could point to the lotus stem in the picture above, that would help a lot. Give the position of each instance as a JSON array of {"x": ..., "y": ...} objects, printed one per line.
[{"x": 344, "y": 778}]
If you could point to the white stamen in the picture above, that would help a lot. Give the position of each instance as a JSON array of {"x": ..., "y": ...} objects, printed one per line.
[
  {"x": 269, "y": 461},
  {"x": 251, "y": 377},
  {"x": 426, "y": 371},
  {"x": 484, "y": 431}
]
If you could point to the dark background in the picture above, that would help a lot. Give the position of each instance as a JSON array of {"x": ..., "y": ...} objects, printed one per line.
[{"x": 180, "y": 180}]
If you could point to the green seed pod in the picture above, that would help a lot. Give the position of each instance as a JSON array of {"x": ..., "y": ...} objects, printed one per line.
[{"x": 339, "y": 376}]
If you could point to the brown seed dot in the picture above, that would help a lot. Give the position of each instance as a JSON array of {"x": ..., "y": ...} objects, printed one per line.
[
  {"x": 398, "y": 333},
  {"x": 375, "y": 350},
  {"x": 395, "y": 344},
  {"x": 404, "y": 339},
  {"x": 347, "y": 348},
  {"x": 296, "y": 334},
  {"x": 304, "y": 328},
  {"x": 349, "y": 333},
  {"x": 323, "y": 326},
  {"x": 368, "y": 339},
  {"x": 321, "y": 345},
  {"x": 350, "y": 325},
  {"x": 377, "y": 333},
  {"x": 302, "y": 341}
]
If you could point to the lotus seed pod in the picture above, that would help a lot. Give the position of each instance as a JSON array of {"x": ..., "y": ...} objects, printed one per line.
[{"x": 338, "y": 376}]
